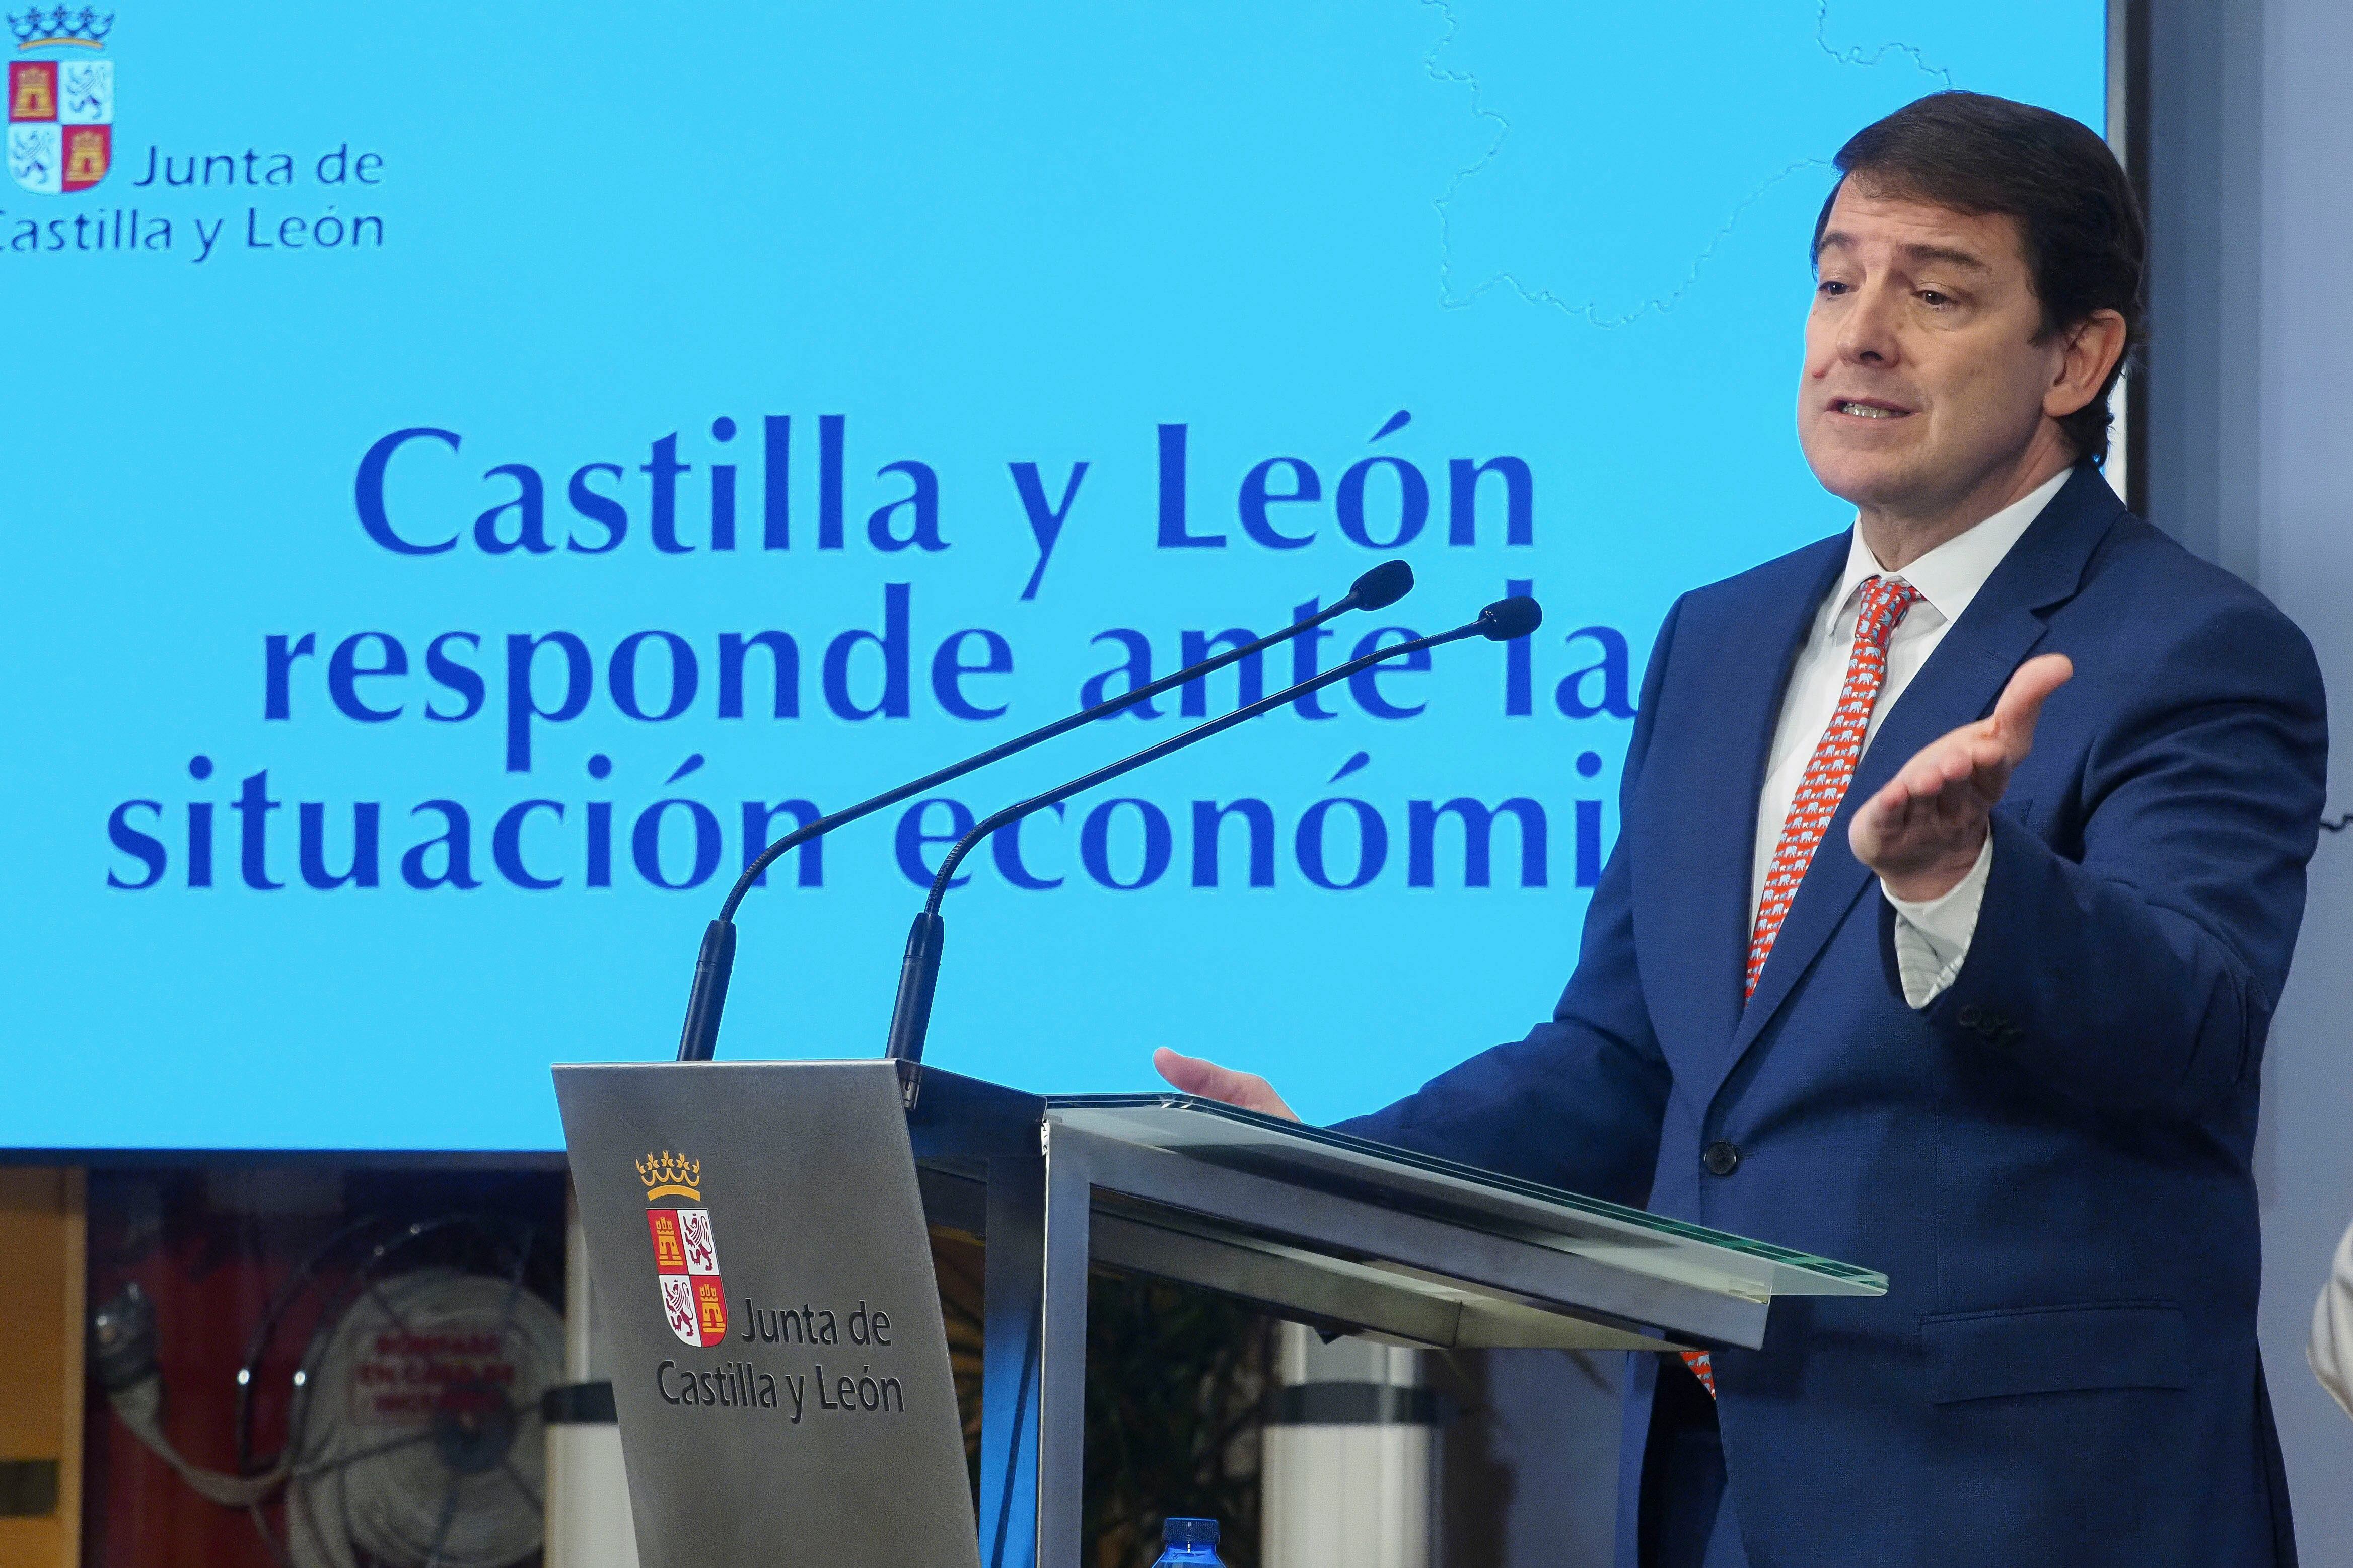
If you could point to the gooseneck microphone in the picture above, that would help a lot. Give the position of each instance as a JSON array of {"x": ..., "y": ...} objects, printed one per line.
[
  {"x": 911, "y": 1013},
  {"x": 1384, "y": 585}
]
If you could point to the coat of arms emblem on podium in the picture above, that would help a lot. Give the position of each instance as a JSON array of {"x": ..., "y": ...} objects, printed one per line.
[
  {"x": 61, "y": 111},
  {"x": 686, "y": 1254}
]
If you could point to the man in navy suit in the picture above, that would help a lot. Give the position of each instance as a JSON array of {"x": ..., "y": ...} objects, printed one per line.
[{"x": 1960, "y": 862}]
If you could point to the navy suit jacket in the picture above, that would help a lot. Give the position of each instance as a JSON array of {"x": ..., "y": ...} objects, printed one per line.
[{"x": 2050, "y": 1162}]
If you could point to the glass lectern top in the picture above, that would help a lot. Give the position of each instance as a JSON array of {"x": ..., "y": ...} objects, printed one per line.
[{"x": 1629, "y": 1237}]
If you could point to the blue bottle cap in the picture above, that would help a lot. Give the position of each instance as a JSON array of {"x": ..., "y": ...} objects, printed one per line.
[{"x": 1190, "y": 1532}]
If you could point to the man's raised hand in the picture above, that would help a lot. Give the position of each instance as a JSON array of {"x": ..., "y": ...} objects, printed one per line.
[
  {"x": 1923, "y": 831},
  {"x": 1210, "y": 1081}
]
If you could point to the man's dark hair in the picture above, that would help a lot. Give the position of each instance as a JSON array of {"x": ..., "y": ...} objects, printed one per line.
[{"x": 2078, "y": 222}]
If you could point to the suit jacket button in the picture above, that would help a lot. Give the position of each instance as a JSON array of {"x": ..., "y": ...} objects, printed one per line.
[
  {"x": 1968, "y": 1016},
  {"x": 1720, "y": 1158}
]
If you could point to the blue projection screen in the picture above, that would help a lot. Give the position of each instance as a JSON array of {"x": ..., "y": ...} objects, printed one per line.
[{"x": 473, "y": 472}]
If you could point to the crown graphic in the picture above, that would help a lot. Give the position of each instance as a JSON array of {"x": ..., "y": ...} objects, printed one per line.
[
  {"x": 668, "y": 1176},
  {"x": 86, "y": 25}
]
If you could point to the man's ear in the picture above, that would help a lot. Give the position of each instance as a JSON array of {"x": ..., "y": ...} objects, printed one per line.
[{"x": 2095, "y": 344}]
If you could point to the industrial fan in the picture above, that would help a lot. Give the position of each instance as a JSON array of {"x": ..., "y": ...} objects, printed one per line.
[{"x": 413, "y": 1430}]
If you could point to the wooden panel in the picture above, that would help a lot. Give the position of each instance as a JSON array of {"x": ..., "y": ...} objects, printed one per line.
[{"x": 43, "y": 1236}]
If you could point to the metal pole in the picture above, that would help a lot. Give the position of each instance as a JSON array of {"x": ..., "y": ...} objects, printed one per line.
[{"x": 1063, "y": 1360}]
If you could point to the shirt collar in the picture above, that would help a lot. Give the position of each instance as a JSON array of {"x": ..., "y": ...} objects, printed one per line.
[{"x": 1950, "y": 576}]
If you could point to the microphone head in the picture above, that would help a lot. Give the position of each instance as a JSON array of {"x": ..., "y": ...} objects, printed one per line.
[
  {"x": 1382, "y": 586},
  {"x": 1507, "y": 619}
]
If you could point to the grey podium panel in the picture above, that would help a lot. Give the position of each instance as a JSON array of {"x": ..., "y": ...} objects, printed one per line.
[
  {"x": 741, "y": 1450},
  {"x": 810, "y": 1421}
]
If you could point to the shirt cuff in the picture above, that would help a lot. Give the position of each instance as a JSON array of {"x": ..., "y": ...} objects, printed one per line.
[
  {"x": 2329, "y": 1351},
  {"x": 1933, "y": 935}
]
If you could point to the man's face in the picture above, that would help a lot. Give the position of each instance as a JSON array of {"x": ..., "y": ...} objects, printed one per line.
[{"x": 1923, "y": 378}]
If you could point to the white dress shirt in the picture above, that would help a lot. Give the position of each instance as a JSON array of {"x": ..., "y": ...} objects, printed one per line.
[
  {"x": 2329, "y": 1351},
  {"x": 1932, "y": 938}
]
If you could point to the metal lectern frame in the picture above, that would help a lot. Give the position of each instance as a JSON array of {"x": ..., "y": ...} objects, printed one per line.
[{"x": 1316, "y": 1227}]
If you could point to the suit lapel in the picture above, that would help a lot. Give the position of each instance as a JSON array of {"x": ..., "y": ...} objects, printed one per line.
[
  {"x": 1957, "y": 686},
  {"x": 1705, "y": 864}
]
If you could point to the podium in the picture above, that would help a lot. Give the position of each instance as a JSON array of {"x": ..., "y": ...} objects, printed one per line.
[{"x": 758, "y": 1242}]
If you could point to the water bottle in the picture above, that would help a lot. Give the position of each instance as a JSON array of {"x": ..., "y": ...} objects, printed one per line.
[{"x": 1189, "y": 1543}]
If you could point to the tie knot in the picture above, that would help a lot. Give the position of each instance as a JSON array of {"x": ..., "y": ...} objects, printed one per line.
[{"x": 1884, "y": 601}]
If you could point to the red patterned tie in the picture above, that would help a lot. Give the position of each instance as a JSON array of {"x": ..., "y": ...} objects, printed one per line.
[{"x": 1884, "y": 602}]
